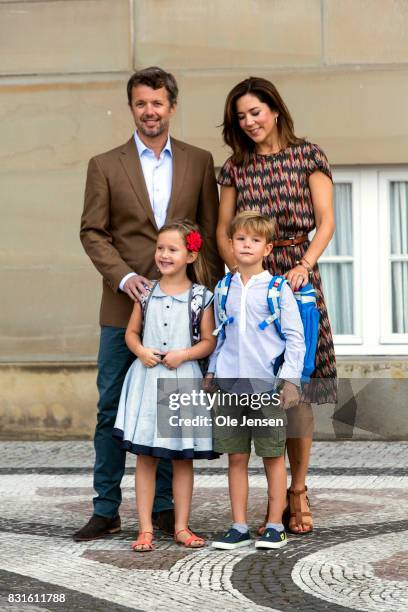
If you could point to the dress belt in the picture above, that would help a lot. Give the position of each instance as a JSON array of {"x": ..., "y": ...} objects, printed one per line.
[{"x": 292, "y": 241}]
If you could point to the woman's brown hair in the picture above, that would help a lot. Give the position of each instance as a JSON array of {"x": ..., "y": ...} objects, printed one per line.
[
  {"x": 198, "y": 271},
  {"x": 242, "y": 146}
]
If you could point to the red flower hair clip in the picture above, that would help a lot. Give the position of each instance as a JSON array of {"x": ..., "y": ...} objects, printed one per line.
[{"x": 194, "y": 242}]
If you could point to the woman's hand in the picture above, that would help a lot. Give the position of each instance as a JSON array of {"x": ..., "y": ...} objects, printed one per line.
[
  {"x": 149, "y": 357},
  {"x": 289, "y": 395},
  {"x": 208, "y": 382},
  {"x": 297, "y": 277},
  {"x": 174, "y": 359},
  {"x": 226, "y": 213}
]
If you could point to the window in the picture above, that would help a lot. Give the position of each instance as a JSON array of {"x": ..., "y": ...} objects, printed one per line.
[
  {"x": 365, "y": 268},
  {"x": 394, "y": 256}
]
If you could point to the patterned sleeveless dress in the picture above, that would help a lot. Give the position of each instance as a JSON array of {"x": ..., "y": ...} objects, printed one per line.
[{"x": 277, "y": 186}]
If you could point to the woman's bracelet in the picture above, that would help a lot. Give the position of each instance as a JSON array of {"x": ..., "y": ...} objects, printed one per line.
[
  {"x": 306, "y": 267},
  {"x": 308, "y": 263}
]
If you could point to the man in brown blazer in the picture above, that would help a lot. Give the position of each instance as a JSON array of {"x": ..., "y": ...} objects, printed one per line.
[{"x": 130, "y": 193}]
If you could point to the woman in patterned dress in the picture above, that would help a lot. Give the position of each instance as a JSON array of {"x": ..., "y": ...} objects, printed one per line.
[{"x": 288, "y": 179}]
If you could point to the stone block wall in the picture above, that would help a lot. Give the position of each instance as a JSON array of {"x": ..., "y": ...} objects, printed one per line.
[{"x": 341, "y": 66}]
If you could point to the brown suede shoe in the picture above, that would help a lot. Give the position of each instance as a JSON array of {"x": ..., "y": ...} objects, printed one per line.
[
  {"x": 164, "y": 520},
  {"x": 97, "y": 527}
]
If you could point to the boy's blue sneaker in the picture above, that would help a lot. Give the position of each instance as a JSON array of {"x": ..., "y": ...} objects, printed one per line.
[
  {"x": 272, "y": 538},
  {"x": 232, "y": 539}
]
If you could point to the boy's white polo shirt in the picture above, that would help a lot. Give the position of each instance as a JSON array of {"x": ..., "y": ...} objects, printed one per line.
[{"x": 249, "y": 352}]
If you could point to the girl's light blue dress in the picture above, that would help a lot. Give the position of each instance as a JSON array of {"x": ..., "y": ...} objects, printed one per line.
[{"x": 167, "y": 327}]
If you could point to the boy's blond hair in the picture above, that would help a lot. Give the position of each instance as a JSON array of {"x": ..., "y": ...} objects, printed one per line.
[{"x": 253, "y": 221}]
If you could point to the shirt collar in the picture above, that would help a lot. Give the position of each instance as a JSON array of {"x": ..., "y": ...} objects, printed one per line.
[
  {"x": 180, "y": 297},
  {"x": 141, "y": 147},
  {"x": 255, "y": 277}
]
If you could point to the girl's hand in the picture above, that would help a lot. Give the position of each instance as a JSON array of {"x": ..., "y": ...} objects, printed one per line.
[
  {"x": 150, "y": 357},
  {"x": 289, "y": 395},
  {"x": 297, "y": 277},
  {"x": 174, "y": 359}
]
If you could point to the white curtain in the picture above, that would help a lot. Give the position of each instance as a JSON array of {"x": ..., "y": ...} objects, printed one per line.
[
  {"x": 342, "y": 241},
  {"x": 338, "y": 290},
  {"x": 337, "y": 277},
  {"x": 399, "y": 246}
]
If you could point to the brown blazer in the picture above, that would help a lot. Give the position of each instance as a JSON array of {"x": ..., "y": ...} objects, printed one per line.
[{"x": 118, "y": 228}]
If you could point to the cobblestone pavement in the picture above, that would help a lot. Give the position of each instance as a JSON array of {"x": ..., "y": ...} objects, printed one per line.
[{"x": 356, "y": 558}]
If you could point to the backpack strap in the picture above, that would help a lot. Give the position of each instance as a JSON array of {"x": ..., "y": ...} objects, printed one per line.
[
  {"x": 221, "y": 294},
  {"x": 305, "y": 295},
  {"x": 274, "y": 302},
  {"x": 145, "y": 301},
  {"x": 196, "y": 303}
]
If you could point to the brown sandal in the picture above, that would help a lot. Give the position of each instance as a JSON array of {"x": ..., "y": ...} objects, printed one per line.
[{"x": 295, "y": 510}]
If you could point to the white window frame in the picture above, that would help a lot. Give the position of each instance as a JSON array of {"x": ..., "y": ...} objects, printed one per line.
[
  {"x": 387, "y": 336},
  {"x": 372, "y": 263}
]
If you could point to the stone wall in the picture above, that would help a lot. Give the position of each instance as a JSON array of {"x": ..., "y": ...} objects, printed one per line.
[
  {"x": 58, "y": 401},
  {"x": 342, "y": 67}
]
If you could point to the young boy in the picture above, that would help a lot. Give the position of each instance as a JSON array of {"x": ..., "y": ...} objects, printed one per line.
[{"x": 243, "y": 352}]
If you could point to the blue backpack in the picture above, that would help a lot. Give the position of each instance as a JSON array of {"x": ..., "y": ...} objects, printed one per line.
[{"x": 306, "y": 301}]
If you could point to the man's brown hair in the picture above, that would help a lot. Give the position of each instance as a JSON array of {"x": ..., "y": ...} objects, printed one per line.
[{"x": 156, "y": 78}]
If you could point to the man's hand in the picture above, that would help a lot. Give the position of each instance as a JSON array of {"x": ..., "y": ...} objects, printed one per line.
[
  {"x": 135, "y": 287},
  {"x": 289, "y": 395},
  {"x": 174, "y": 359},
  {"x": 150, "y": 357}
]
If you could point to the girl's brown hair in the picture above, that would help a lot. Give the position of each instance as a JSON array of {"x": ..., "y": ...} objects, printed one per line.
[
  {"x": 242, "y": 145},
  {"x": 198, "y": 271}
]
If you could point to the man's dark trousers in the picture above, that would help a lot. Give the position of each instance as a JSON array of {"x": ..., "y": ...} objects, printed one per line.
[{"x": 114, "y": 360}]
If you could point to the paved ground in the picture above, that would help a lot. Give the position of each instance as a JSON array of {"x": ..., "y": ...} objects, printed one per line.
[{"x": 356, "y": 559}]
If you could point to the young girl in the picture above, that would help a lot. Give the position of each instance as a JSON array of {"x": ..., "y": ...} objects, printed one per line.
[{"x": 166, "y": 351}]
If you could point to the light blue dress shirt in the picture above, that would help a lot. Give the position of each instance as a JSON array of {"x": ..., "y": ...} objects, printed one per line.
[{"x": 158, "y": 176}]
